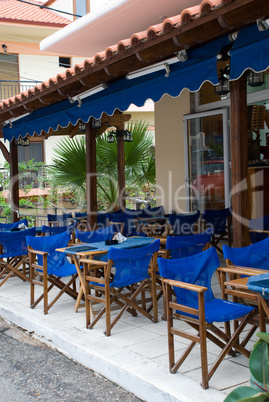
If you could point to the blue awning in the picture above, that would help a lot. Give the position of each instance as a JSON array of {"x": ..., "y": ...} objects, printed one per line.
[
  {"x": 250, "y": 51},
  {"x": 201, "y": 66}
]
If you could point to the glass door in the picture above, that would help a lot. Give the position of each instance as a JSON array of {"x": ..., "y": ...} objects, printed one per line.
[{"x": 207, "y": 167}]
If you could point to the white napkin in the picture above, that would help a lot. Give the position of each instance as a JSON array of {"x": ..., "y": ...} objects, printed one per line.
[
  {"x": 119, "y": 237},
  {"x": 22, "y": 226}
]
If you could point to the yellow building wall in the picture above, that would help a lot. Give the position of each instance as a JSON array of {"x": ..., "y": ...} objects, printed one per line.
[{"x": 169, "y": 148}]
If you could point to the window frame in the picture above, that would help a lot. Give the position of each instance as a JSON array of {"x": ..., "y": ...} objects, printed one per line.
[
  {"x": 36, "y": 140},
  {"x": 75, "y": 7}
]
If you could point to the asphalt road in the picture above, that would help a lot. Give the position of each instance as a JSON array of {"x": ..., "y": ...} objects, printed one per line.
[{"x": 31, "y": 371}]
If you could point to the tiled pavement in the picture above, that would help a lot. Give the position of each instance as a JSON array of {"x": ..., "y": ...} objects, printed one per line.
[{"x": 134, "y": 356}]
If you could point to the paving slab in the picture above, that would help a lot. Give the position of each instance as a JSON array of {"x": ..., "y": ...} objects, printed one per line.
[{"x": 135, "y": 356}]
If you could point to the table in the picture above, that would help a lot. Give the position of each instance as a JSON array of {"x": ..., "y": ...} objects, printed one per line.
[
  {"x": 239, "y": 288},
  {"x": 97, "y": 249}
]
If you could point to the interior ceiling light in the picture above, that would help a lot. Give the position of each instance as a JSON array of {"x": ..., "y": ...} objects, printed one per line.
[{"x": 164, "y": 65}]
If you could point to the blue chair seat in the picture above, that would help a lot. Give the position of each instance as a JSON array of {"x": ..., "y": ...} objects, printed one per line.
[
  {"x": 190, "y": 279},
  {"x": 130, "y": 268},
  {"x": 14, "y": 253},
  {"x": 219, "y": 310},
  {"x": 52, "y": 265}
]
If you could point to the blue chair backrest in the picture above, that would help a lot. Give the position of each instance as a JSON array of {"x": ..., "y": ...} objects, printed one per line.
[
  {"x": 217, "y": 219},
  {"x": 53, "y": 230},
  {"x": 80, "y": 214},
  {"x": 183, "y": 224},
  {"x": 9, "y": 226},
  {"x": 56, "y": 259},
  {"x": 126, "y": 218},
  {"x": 254, "y": 256},
  {"x": 97, "y": 235},
  {"x": 185, "y": 246},
  {"x": 197, "y": 269},
  {"x": 132, "y": 265},
  {"x": 14, "y": 243},
  {"x": 258, "y": 224},
  {"x": 102, "y": 221},
  {"x": 59, "y": 218}
]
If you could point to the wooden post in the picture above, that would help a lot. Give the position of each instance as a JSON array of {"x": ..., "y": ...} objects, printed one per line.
[
  {"x": 91, "y": 178},
  {"x": 14, "y": 181},
  {"x": 239, "y": 158},
  {"x": 121, "y": 170}
]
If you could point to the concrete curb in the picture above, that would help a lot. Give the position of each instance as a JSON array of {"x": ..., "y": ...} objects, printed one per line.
[{"x": 142, "y": 377}]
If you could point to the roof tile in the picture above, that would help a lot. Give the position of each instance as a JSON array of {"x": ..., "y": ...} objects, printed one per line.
[
  {"x": 109, "y": 53},
  {"x": 16, "y": 10}
]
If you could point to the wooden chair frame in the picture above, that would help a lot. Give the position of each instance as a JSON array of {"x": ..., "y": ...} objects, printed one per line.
[
  {"x": 224, "y": 340},
  {"x": 39, "y": 277},
  {"x": 219, "y": 237},
  {"x": 11, "y": 266},
  {"x": 97, "y": 277},
  {"x": 232, "y": 272}
]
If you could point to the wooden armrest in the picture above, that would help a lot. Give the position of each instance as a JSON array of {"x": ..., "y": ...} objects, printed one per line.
[
  {"x": 38, "y": 252},
  {"x": 259, "y": 231},
  {"x": 185, "y": 285},
  {"x": 93, "y": 262},
  {"x": 243, "y": 270}
]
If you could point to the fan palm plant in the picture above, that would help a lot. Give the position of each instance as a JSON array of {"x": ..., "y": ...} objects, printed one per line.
[{"x": 69, "y": 164}]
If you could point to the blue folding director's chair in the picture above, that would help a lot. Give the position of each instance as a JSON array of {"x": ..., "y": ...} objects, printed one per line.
[
  {"x": 97, "y": 235},
  {"x": 125, "y": 223},
  {"x": 14, "y": 254},
  {"x": 13, "y": 226},
  {"x": 184, "y": 224},
  {"x": 258, "y": 229},
  {"x": 184, "y": 246},
  {"x": 53, "y": 230},
  {"x": 220, "y": 221},
  {"x": 253, "y": 256},
  {"x": 48, "y": 266},
  {"x": 134, "y": 273},
  {"x": 241, "y": 262},
  {"x": 59, "y": 220},
  {"x": 195, "y": 304}
]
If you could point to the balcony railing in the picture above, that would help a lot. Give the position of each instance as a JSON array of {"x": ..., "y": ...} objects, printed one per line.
[
  {"x": 33, "y": 177},
  {"x": 12, "y": 88}
]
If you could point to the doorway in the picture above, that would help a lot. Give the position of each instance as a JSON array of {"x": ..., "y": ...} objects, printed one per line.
[{"x": 207, "y": 166}]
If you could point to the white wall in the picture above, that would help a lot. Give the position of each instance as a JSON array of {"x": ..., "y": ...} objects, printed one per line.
[
  {"x": 169, "y": 151},
  {"x": 64, "y": 5},
  {"x": 67, "y": 5},
  {"x": 100, "y": 4},
  {"x": 41, "y": 68}
]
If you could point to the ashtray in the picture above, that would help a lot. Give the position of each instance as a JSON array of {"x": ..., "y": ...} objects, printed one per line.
[{"x": 111, "y": 242}]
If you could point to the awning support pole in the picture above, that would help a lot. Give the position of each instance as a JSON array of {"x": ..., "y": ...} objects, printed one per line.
[
  {"x": 91, "y": 177},
  {"x": 121, "y": 170},
  {"x": 239, "y": 158},
  {"x": 14, "y": 181}
]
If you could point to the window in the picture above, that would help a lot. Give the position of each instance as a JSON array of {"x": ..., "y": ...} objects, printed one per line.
[
  {"x": 9, "y": 76},
  {"x": 81, "y": 7},
  {"x": 33, "y": 151},
  {"x": 65, "y": 62}
]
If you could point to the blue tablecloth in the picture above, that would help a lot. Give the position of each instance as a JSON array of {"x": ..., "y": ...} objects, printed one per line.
[
  {"x": 260, "y": 283},
  {"x": 131, "y": 242}
]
